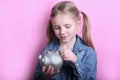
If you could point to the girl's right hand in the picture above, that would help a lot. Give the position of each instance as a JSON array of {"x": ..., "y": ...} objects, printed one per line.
[{"x": 48, "y": 70}]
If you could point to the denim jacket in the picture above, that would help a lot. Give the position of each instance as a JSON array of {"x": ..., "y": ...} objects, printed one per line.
[{"x": 83, "y": 69}]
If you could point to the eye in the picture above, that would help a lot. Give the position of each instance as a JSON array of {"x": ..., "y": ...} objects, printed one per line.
[
  {"x": 67, "y": 25},
  {"x": 56, "y": 27}
]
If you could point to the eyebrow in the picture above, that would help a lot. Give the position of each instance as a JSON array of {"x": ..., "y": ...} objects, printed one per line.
[{"x": 63, "y": 25}]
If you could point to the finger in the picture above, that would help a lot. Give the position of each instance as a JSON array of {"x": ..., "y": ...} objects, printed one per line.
[
  {"x": 51, "y": 71},
  {"x": 62, "y": 53},
  {"x": 43, "y": 69},
  {"x": 48, "y": 70},
  {"x": 65, "y": 56}
]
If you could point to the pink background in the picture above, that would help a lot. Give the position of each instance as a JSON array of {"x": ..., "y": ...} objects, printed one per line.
[{"x": 22, "y": 36}]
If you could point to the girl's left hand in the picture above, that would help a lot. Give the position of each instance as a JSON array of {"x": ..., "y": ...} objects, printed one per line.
[{"x": 68, "y": 55}]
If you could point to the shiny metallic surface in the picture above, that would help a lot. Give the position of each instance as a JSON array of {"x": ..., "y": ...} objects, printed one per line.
[{"x": 51, "y": 58}]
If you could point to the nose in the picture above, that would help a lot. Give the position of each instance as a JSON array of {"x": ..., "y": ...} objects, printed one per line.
[{"x": 62, "y": 31}]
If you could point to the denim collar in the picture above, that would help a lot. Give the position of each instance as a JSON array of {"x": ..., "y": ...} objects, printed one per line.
[{"x": 78, "y": 46}]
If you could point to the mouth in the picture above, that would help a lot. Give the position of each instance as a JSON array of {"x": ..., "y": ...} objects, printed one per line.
[{"x": 63, "y": 37}]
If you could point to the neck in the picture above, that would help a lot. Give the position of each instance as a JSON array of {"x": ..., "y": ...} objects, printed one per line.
[{"x": 68, "y": 45}]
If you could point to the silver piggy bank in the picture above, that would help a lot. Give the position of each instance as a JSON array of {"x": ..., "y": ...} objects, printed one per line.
[{"x": 51, "y": 58}]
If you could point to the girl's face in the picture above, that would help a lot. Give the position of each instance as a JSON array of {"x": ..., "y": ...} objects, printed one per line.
[{"x": 65, "y": 27}]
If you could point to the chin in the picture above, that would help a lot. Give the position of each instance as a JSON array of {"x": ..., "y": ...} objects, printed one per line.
[{"x": 64, "y": 41}]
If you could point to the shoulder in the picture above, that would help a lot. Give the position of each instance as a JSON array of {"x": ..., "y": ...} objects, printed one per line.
[
  {"x": 82, "y": 48},
  {"x": 90, "y": 51}
]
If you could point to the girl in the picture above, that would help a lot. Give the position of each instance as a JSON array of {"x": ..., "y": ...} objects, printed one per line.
[{"x": 78, "y": 53}]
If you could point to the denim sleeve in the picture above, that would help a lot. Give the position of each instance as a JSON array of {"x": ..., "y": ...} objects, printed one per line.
[
  {"x": 85, "y": 66},
  {"x": 38, "y": 72}
]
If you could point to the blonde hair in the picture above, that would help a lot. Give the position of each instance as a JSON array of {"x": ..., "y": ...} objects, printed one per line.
[{"x": 68, "y": 6}]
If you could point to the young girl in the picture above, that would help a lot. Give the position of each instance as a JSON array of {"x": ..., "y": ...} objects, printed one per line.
[{"x": 78, "y": 53}]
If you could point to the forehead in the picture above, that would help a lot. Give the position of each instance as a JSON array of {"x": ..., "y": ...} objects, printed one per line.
[{"x": 62, "y": 18}]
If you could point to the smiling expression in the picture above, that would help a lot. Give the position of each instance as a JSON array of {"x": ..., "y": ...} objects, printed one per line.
[{"x": 65, "y": 27}]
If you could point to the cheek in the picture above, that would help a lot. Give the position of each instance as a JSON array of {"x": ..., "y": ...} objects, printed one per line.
[
  {"x": 73, "y": 30},
  {"x": 56, "y": 32}
]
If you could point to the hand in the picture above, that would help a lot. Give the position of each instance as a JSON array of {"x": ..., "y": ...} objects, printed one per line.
[
  {"x": 68, "y": 55},
  {"x": 49, "y": 71}
]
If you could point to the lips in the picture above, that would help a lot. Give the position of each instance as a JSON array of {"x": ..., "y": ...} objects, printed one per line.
[{"x": 63, "y": 37}]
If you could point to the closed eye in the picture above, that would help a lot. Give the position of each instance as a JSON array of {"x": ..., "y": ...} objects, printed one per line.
[
  {"x": 56, "y": 27},
  {"x": 67, "y": 25}
]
